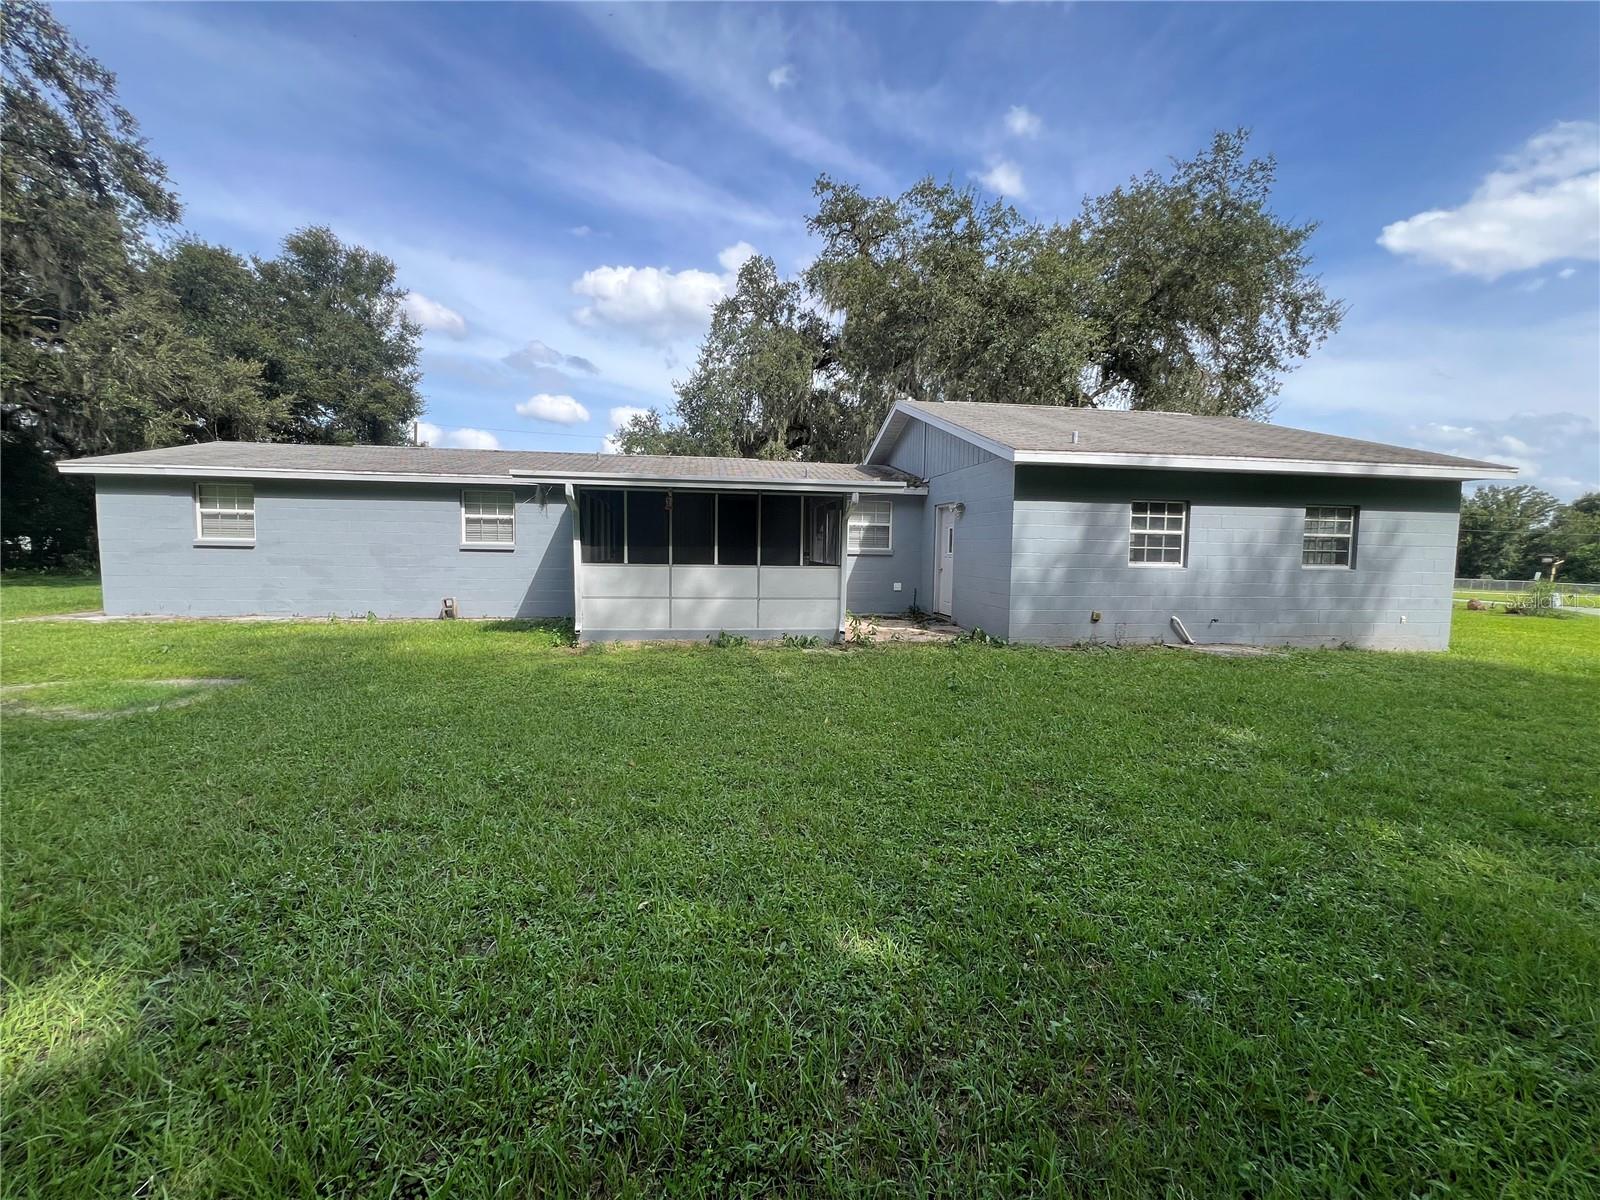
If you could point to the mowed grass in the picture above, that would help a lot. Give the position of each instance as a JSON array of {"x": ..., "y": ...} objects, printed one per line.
[
  {"x": 1568, "y": 598},
  {"x": 450, "y": 909},
  {"x": 32, "y": 595}
]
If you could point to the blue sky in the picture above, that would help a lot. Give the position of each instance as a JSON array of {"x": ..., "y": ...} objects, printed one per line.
[{"x": 566, "y": 191}]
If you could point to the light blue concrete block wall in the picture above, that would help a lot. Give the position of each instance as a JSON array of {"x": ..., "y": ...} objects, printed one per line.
[
  {"x": 1244, "y": 581},
  {"x": 961, "y": 473},
  {"x": 329, "y": 548},
  {"x": 873, "y": 576}
]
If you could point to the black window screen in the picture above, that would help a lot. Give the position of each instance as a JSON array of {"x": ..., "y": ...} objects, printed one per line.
[
  {"x": 737, "y": 516},
  {"x": 647, "y": 527},
  {"x": 780, "y": 531},
  {"x": 822, "y": 530},
  {"x": 694, "y": 528},
  {"x": 600, "y": 525}
]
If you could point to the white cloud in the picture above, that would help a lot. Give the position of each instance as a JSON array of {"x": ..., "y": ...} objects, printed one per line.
[
  {"x": 472, "y": 439},
  {"x": 735, "y": 256},
  {"x": 724, "y": 55},
  {"x": 1539, "y": 446},
  {"x": 1540, "y": 206},
  {"x": 542, "y": 354},
  {"x": 1004, "y": 177},
  {"x": 456, "y": 439},
  {"x": 1386, "y": 378},
  {"x": 1022, "y": 122},
  {"x": 1566, "y": 272},
  {"x": 620, "y": 416},
  {"x": 559, "y": 410},
  {"x": 430, "y": 314},
  {"x": 656, "y": 303},
  {"x": 623, "y": 413},
  {"x": 580, "y": 231},
  {"x": 781, "y": 77}
]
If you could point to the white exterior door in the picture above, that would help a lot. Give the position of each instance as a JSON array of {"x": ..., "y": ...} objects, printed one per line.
[{"x": 944, "y": 560}]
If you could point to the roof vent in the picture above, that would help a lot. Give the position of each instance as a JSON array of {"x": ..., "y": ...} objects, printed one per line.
[{"x": 1074, "y": 437}]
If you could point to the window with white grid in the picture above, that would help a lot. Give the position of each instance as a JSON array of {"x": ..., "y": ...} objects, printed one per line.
[
  {"x": 1330, "y": 537},
  {"x": 1155, "y": 533},
  {"x": 872, "y": 527},
  {"x": 488, "y": 517},
  {"x": 225, "y": 512}
]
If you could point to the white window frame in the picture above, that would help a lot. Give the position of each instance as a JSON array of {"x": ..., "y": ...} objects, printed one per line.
[
  {"x": 1330, "y": 512},
  {"x": 469, "y": 544},
  {"x": 1167, "y": 511},
  {"x": 853, "y": 531},
  {"x": 219, "y": 488}
]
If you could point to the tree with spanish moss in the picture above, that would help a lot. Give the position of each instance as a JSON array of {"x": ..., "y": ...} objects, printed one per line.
[{"x": 1183, "y": 292}]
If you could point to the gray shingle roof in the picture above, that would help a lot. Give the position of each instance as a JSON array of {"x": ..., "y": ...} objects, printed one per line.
[
  {"x": 1033, "y": 428},
  {"x": 277, "y": 458}
]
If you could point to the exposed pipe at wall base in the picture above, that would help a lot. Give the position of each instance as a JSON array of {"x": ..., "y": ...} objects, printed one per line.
[{"x": 1182, "y": 632}]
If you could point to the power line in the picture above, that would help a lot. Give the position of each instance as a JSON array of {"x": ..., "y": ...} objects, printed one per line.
[{"x": 528, "y": 432}]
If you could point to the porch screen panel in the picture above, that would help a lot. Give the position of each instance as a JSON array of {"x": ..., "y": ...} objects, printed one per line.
[
  {"x": 649, "y": 527},
  {"x": 694, "y": 528},
  {"x": 780, "y": 531},
  {"x": 600, "y": 525},
  {"x": 738, "y": 516},
  {"x": 823, "y": 515}
]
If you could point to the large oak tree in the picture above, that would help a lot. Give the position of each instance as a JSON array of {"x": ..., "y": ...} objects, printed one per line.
[
  {"x": 108, "y": 343},
  {"x": 1181, "y": 292}
]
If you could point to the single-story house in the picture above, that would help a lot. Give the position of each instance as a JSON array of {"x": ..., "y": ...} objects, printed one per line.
[{"x": 1036, "y": 524}]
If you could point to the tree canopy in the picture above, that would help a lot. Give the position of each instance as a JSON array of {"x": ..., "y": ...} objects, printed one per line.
[
  {"x": 1501, "y": 526},
  {"x": 110, "y": 343},
  {"x": 1574, "y": 535},
  {"x": 1181, "y": 292}
]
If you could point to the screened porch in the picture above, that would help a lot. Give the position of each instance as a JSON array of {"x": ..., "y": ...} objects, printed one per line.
[{"x": 653, "y": 562}]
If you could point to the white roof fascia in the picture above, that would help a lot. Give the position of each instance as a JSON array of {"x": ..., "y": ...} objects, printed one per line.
[
  {"x": 1277, "y": 466},
  {"x": 86, "y": 467}
]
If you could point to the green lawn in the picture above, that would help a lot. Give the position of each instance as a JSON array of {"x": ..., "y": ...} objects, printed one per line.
[
  {"x": 1570, "y": 599},
  {"x": 450, "y": 909},
  {"x": 29, "y": 595}
]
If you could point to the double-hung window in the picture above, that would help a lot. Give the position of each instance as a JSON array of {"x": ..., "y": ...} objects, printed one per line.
[
  {"x": 488, "y": 518},
  {"x": 1330, "y": 537},
  {"x": 872, "y": 527},
  {"x": 1156, "y": 531},
  {"x": 225, "y": 512}
]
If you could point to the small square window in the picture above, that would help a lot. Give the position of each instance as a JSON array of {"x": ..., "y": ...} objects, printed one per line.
[
  {"x": 488, "y": 517},
  {"x": 872, "y": 527},
  {"x": 225, "y": 512},
  {"x": 1156, "y": 530},
  {"x": 1330, "y": 537}
]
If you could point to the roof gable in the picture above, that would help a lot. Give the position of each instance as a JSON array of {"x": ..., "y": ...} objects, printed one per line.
[{"x": 1031, "y": 433}]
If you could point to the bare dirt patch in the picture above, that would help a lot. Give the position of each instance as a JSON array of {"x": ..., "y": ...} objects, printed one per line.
[{"x": 34, "y": 699}]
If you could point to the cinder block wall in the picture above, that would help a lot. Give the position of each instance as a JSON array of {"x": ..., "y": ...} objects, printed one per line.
[
  {"x": 1243, "y": 581},
  {"x": 328, "y": 548}
]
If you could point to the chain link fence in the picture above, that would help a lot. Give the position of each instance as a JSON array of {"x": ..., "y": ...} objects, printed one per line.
[
  {"x": 1521, "y": 585},
  {"x": 1497, "y": 592}
]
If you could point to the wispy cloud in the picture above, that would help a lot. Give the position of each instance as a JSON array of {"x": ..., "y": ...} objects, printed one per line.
[
  {"x": 1540, "y": 446},
  {"x": 722, "y": 56},
  {"x": 1540, "y": 206},
  {"x": 539, "y": 354},
  {"x": 1005, "y": 177},
  {"x": 1386, "y": 378},
  {"x": 1020, "y": 122},
  {"x": 781, "y": 77},
  {"x": 433, "y": 316}
]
